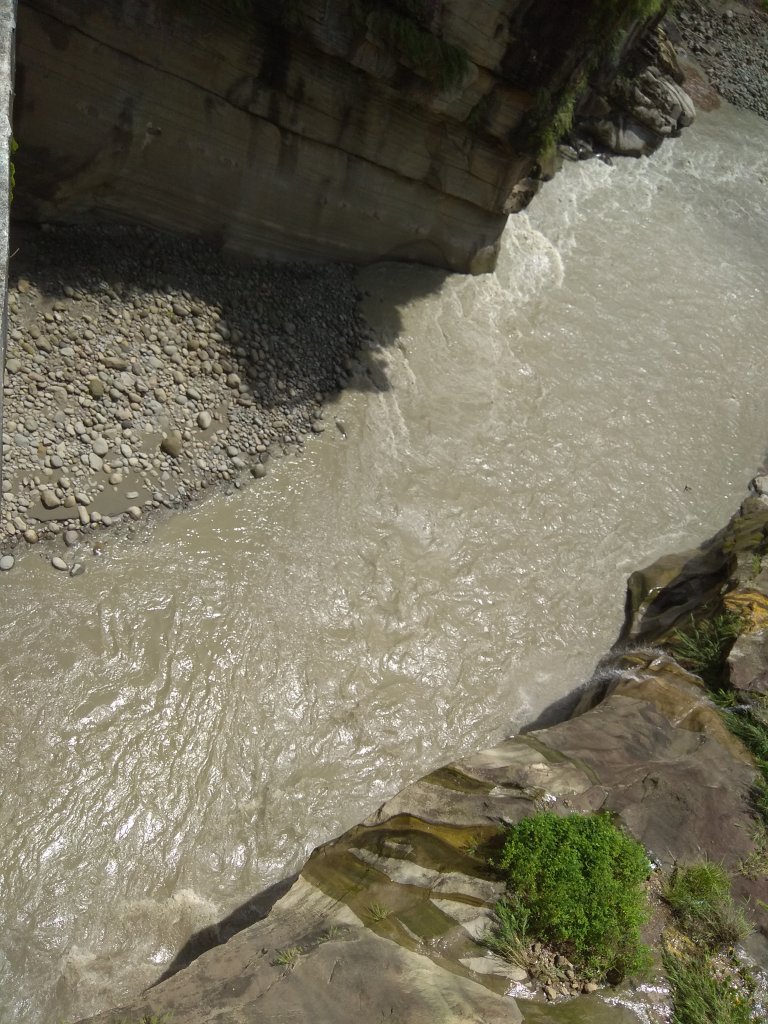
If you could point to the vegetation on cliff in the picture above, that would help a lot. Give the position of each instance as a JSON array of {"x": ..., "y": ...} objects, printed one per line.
[
  {"x": 710, "y": 985},
  {"x": 576, "y": 884}
]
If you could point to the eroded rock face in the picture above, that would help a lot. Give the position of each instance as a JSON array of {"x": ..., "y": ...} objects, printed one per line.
[{"x": 302, "y": 134}]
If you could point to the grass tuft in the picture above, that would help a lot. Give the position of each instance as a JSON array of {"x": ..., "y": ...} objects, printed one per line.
[
  {"x": 378, "y": 912},
  {"x": 700, "y": 996},
  {"x": 287, "y": 957},
  {"x": 703, "y": 646},
  {"x": 700, "y": 899}
]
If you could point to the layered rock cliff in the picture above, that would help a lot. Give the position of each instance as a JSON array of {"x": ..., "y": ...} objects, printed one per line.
[{"x": 349, "y": 129}]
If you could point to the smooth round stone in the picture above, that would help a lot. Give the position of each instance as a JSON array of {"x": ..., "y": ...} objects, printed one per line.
[
  {"x": 30, "y": 536},
  {"x": 171, "y": 444},
  {"x": 204, "y": 420},
  {"x": 134, "y": 512},
  {"x": 77, "y": 569},
  {"x": 49, "y": 500},
  {"x": 71, "y": 537},
  {"x": 100, "y": 446},
  {"x": 7, "y": 562},
  {"x": 56, "y": 461},
  {"x": 259, "y": 470},
  {"x": 59, "y": 563}
]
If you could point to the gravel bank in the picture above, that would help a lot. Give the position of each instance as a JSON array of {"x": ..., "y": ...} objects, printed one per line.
[
  {"x": 141, "y": 370},
  {"x": 730, "y": 42}
]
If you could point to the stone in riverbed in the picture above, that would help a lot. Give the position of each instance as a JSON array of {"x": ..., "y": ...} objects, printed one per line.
[
  {"x": 49, "y": 500},
  {"x": 172, "y": 444},
  {"x": 203, "y": 420},
  {"x": 134, "y": 512},
  {"x": 71, "y": 537},
  {"x": 100, "y": 446},
  {"x": 95, "y": 462},
  {"x": 59, "y": 563},
  {"x": 30, "y": 536},
  {"x": 259, "y": 471},
  {"x": 96, "y": 387},
  {"x": 7, "y": 562}
]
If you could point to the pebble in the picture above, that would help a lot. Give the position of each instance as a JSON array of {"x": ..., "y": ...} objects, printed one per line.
[
  {"x": 100, "y": 446},
  {"x": 59, "y": 563},
  {"x": 7, "y": 562},
  {"x": 204, "y": 420},
  {"x": 71, "y": 537},
  {"x": 49, "y": 500}
]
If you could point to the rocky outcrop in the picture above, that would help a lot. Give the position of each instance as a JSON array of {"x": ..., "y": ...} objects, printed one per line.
[
  {"x": 317, "y": 128},
  {"x": 389, "y": 920},
  {"x": 633, "y": 113}
]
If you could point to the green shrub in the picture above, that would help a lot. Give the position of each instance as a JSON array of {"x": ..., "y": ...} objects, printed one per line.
[{"x": 577, "y": 882}]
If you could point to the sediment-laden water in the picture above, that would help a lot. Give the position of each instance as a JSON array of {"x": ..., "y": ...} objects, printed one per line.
[{"x": 184, "y": 722}]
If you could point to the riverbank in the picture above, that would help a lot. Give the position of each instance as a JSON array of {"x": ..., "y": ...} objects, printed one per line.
[
  {"x": 143, "y": 371},
  {"x": 730, "y": 43}
]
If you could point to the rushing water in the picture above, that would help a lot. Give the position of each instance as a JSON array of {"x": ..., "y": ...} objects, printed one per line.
[{"x": 182, "y": 724}]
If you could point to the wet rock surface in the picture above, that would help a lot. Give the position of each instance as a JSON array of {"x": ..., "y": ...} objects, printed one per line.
[{"x": 142, "y": 370}]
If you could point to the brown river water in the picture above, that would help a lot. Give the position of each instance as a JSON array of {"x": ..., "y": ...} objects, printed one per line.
[{"x": 183, "y": 723}]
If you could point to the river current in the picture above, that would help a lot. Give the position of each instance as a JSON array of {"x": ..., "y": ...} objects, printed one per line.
[{"x": 183, "y": 723}]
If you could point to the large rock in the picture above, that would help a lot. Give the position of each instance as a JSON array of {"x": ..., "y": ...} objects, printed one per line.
[{"x": 299, "y": 135}]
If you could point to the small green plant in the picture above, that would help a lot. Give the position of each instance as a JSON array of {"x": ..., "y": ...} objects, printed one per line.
[
  {"x": 699, "y": 996},
  {"x": 699, "y": 896},
  {"x": 287, "y": 957},
  {"x": 377, "y": 911},
  {"x": 576, "y": 884},
  {"x": 703, "y": 646}
]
